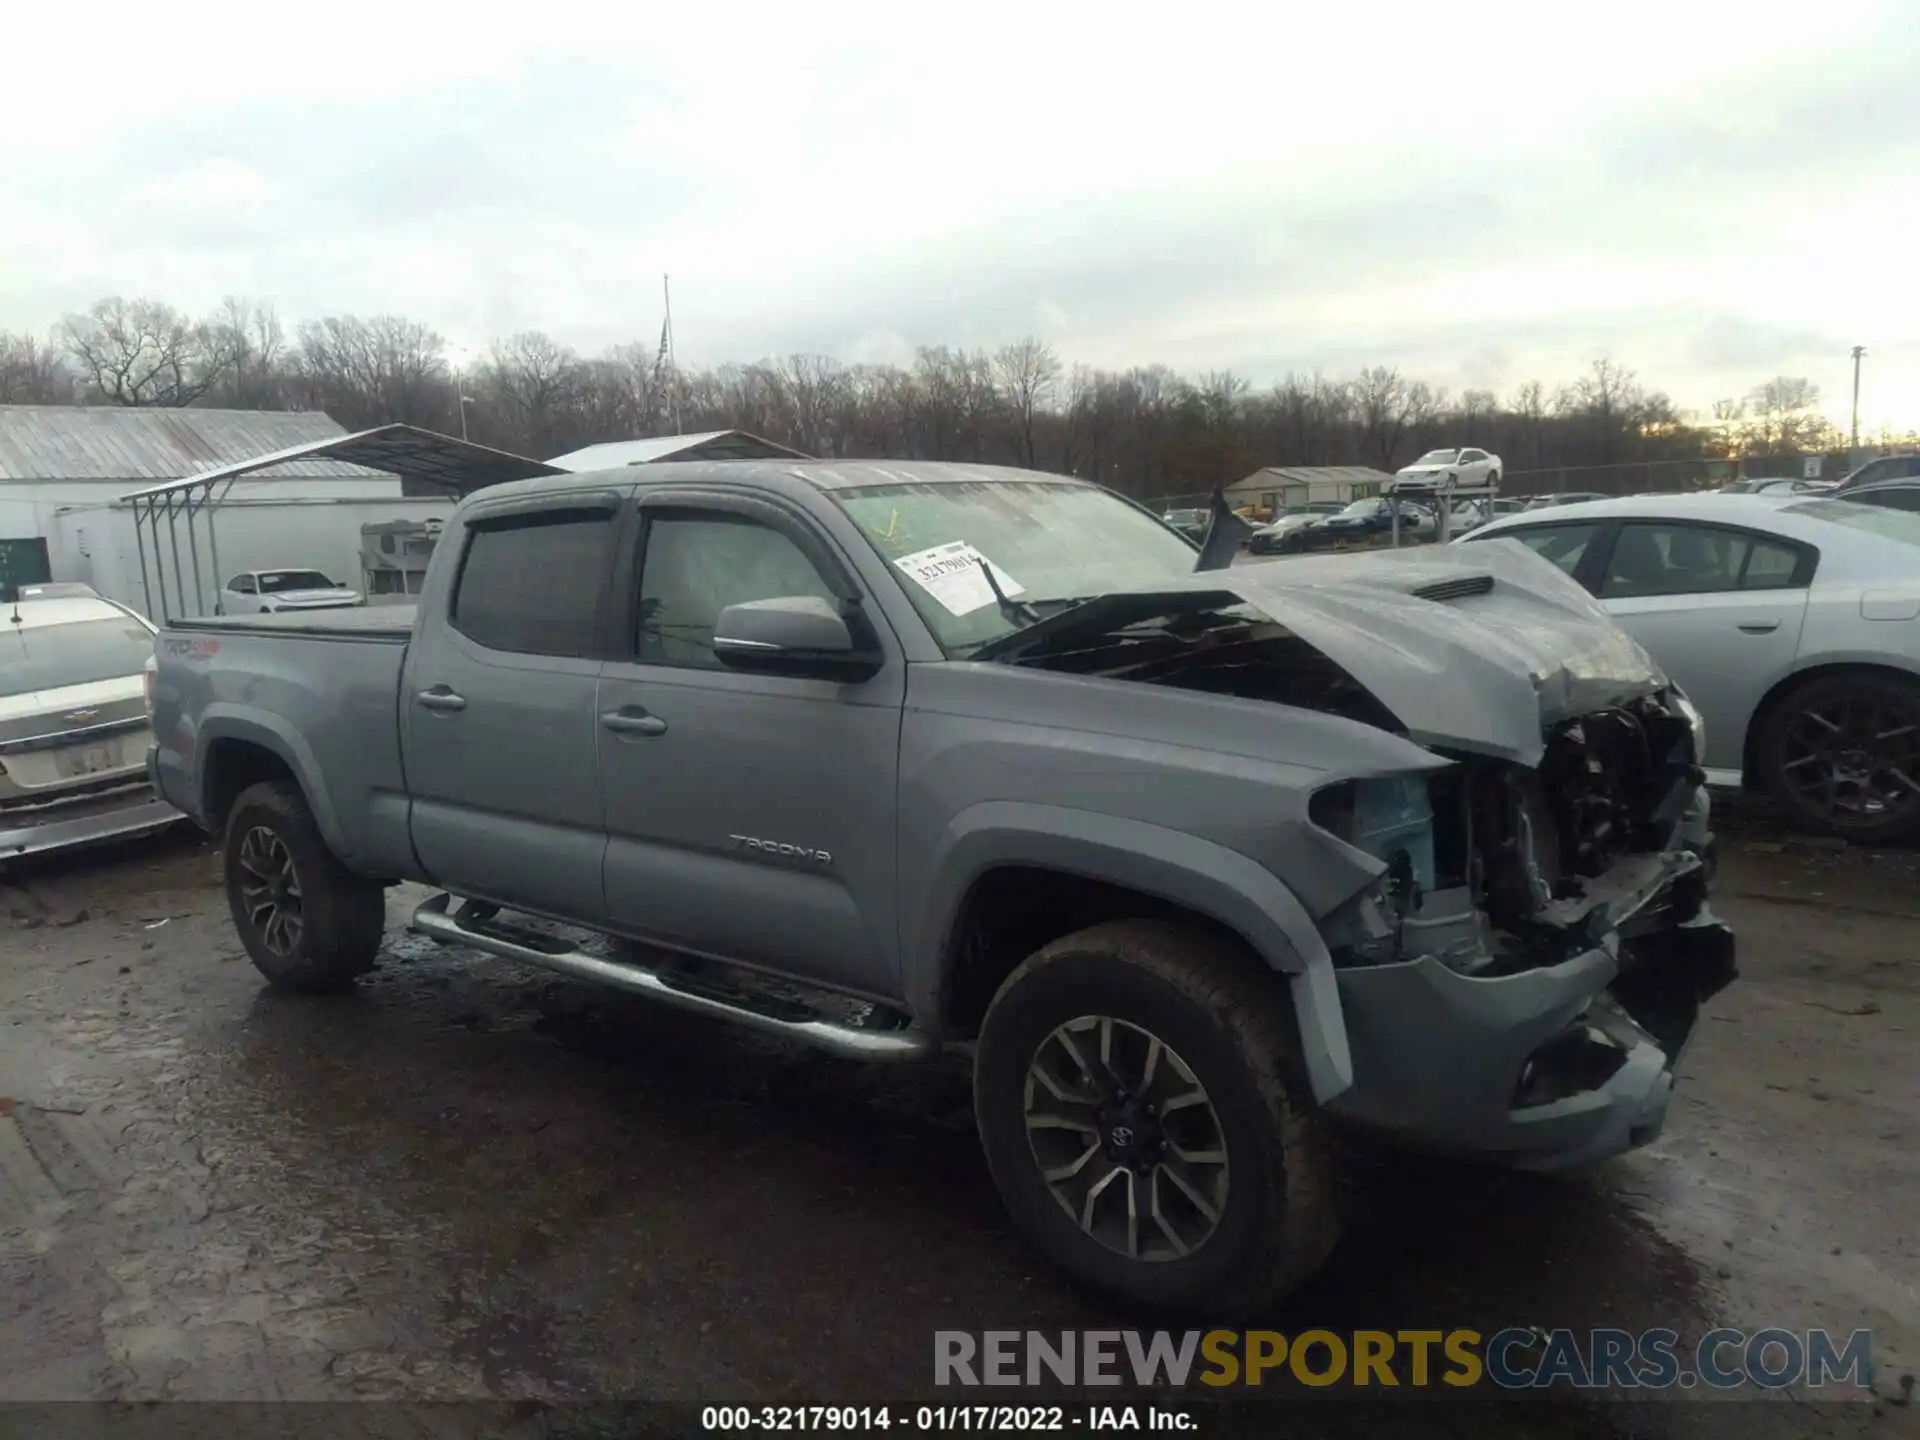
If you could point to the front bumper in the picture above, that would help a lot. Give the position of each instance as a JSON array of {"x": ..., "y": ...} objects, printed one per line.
[
  {"x": 1546, "y": 1069},
  {"x": 119, "y": 813}
]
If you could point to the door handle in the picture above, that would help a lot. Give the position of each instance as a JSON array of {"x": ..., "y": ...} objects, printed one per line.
[
  {"x": 440, "y": 699},
  {"x": 1758, "y": 627},
  {"x": 633, "y": 722}
]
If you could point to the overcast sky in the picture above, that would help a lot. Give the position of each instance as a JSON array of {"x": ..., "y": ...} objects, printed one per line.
[{"x": 1478, "y": 193}]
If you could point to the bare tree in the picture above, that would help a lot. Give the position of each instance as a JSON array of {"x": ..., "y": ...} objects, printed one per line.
[
  {"x": 1028, "y": 374},
  {"x": 1783, "y": 418},
  {"x": 1380, "y": 395},
  {"x": 141, "y": 352},
  {"x": 252, "y": 349},
  {"x": 32, "y": 373},
  {"x": 375, "y": 371},
  {"x": 1530, "y": 409},
  {"x": 1474, "y": 409},
  {"x": 535, "y": 383}
]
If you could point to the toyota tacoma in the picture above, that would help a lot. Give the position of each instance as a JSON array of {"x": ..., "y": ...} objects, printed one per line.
[{"x": 1221, "y": 875}]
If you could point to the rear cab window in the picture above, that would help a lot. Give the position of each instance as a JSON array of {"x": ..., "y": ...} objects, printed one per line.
[{"x": 534, "y": 584}]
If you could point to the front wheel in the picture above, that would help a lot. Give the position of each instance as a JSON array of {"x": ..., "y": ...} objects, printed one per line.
[
  {"x": 1135, "y": 1099},
  {"x": 1841, "y": 755},
  {"x": 306, "y": 921}
]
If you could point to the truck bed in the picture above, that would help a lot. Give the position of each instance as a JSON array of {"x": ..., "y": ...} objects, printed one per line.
[
  {"x": 368, "y": 622},
  {"x": 320, "y": 691}
]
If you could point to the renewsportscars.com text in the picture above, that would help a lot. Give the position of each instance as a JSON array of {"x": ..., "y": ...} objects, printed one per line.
[{"x": 1510, "y": 1359}]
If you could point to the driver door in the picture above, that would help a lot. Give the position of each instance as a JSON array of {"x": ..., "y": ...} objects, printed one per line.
[{"x": 749, "y": 816}]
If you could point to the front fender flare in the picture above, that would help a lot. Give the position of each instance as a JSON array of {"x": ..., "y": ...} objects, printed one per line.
[{"x": 1198, "y": 874}]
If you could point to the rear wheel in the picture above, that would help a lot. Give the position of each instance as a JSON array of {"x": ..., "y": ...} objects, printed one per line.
[
  {"x": 1841, "y": 755},
  {"x": 1133, "y": 1091},
  {"x": 306, "y": 921}
]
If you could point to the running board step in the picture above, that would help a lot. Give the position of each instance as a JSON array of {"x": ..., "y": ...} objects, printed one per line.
[{"x": 681, "y": 983}]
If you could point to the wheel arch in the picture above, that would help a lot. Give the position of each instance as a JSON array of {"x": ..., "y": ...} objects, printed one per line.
[
  {"x": 237, "y": 751},
  {"x": 1013, "y": 876},
  {"x": 1822, "y": 668}
]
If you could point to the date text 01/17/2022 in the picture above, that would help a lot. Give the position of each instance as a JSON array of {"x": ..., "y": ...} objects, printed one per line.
[{"x": 990, "y": 1419}]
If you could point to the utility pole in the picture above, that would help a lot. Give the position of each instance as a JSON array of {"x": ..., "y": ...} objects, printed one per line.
[{"x": 1854, "y": 443}]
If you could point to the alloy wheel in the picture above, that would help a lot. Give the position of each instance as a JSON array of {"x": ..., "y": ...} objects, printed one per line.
[
  {"x": 1855, "y": 757},
  {"x": 1126, "y": 1138},
  {"x": 270, "y": 891}
]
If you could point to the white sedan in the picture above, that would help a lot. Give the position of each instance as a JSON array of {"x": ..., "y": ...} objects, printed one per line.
[
  {"x": 264, "y": 592},
  {"x": 1792, "y": 622},
  {"x": 1445, "y": 470}
]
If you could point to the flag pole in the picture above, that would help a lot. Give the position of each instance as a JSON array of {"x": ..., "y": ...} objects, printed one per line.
[{"x": 673, "y": 395}]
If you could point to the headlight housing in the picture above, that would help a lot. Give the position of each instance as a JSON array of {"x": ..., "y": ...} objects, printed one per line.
[{"x": 1696, "y": 722}]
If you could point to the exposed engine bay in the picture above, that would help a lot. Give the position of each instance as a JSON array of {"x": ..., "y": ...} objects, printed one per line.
[
  {"x": 1520, "y": 936},
  {"x": 1493, "y": 867}
]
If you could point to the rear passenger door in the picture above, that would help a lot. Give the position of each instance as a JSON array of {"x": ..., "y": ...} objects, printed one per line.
[
  {"x": 1719, "y": 608},
  {"x": 499, "y": 712}
]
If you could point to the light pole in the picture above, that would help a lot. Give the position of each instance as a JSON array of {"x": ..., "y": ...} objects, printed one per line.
[{"x": 1854, "y": 443}]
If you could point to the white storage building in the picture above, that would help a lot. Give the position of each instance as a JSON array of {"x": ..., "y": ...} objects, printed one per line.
[{"x": 64, "y": 469}]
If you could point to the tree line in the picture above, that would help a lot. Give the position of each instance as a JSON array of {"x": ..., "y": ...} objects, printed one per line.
[{"x": 1145, "y": 430}]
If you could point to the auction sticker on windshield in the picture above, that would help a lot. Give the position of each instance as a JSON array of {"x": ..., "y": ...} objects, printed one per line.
[{"x": 952, "y": 575}]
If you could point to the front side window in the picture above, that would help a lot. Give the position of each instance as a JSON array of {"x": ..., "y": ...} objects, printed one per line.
[
  {"x": 695, "y": 566},
  {"x": 241, "y": 585},
  {"x": 1654, "y": 558},
  {"x": 52, "y": 657},
  {"x": 1047, "y": 544},
  {"x": 532, "y": 585}
]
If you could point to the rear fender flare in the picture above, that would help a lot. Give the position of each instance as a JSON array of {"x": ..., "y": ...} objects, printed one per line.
[
  {"x": 1197, "y": 874},
  {"x": 278, "y": 737}
]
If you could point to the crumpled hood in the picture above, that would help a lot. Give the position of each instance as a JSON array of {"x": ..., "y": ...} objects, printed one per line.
[{"x": 1480, "y": 672}]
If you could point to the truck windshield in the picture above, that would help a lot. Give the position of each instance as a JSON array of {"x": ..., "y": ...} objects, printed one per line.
[
  {"x": 279, "y": 582},
  {"x": 1047, "y": 545},
  {"x": 51, "y": 657}
]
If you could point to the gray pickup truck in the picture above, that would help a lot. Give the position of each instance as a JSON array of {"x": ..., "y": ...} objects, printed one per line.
[{"x": 1222, "y": 879}]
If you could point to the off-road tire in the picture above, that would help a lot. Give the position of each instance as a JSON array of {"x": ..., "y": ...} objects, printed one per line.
[
  {"x": 1897, "y": 697},
  {"x": 343, "y": 916},
  {"x": 1227, "y": 1016}
]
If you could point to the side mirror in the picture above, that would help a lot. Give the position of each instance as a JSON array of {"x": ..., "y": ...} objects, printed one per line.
[{"x": 792, "y": 635}]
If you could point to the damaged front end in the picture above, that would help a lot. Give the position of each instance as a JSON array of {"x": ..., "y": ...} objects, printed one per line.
[
  {"x": 1525, "y": 975},
  {"x": 1520, "y": 934}
]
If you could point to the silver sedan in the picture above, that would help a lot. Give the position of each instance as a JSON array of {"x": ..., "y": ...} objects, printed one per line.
[{"x": 1792, "y": 623}]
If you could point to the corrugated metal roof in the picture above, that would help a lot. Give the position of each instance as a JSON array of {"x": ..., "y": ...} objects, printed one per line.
[
  {"x": 1271, "y": 477},
  {"x": 706, "y": 445},
  {"x": 97, "y": 442},
  {"x": 437, "y": 460}
]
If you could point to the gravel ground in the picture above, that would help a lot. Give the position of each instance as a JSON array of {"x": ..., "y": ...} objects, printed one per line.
[{"x": 473, "y": 1181}]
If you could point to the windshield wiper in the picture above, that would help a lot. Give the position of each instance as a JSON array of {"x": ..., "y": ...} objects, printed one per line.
[
  {"x": 1019, "y": 611},
  {"x": 1054, "y": 605}
]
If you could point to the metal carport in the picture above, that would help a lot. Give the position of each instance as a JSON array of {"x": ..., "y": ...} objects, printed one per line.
[{"x": 423, "y": 456}]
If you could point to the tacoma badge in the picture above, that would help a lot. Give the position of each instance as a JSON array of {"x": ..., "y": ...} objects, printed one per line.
[{"x": 774, "y": 849}]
